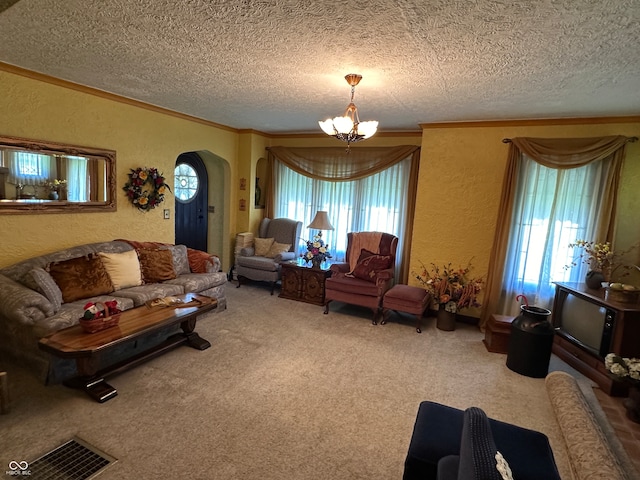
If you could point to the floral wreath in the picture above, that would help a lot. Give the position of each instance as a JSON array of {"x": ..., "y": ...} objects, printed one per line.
[{"x": 150, "y": 197}]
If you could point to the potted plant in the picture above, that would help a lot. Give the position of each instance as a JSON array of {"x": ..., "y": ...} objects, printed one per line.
[
  {"x": 627, "y": 370},
  {"x": 451, "y": 288},
  {"x": 54, "y": 187},
  {"x": 603, "y": 261}
]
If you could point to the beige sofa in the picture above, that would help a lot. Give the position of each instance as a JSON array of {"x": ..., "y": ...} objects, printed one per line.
[
  {"x": 593, "y": 454},
  {"x": 44, "y": 294}
]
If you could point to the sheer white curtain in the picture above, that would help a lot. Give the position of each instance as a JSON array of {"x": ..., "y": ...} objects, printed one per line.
[
  {"x": 553, "y": 208},
  {"x": 28, "y": 168},
  {"x": 77, "y": 179},
  {"x": 375, "y": 203}
]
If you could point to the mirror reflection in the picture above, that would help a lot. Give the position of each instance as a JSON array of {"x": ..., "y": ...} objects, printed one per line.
[{"x": 48, "y": 176}]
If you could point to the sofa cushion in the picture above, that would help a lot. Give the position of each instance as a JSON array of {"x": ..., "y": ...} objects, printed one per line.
[
  {"x": 277, "y": 249},
  {"x": 70, "y": 314},
  {"x": 198, "y": 282},
  {"x": 123, "y": 268},
  {"x": 258, "y": 263},
  {"x": 141, "y": 294},
  {"x": 39, "y": 280},
  {"x": 156, "y": 265},
  {"x": 351, "y": 285},
  {"x": 180, "y": 258},
  {"x": 81, "y": 277}
]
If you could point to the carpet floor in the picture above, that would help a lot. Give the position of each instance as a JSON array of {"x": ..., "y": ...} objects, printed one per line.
[{"x": 284, "y": 392}]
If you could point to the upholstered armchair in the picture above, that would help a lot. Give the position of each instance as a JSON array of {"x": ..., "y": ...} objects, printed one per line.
[
  {"x": 368, "y": 273},
  {"x": 277, "y": 241}
]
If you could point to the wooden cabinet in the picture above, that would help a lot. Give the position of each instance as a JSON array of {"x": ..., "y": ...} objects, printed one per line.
[
  {"x": 620, "y": 334},
  {"x": 303, "y": 283}
]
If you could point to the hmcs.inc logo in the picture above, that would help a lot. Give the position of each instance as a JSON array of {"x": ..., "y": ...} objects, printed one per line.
[{"x": 18, "y": 469}]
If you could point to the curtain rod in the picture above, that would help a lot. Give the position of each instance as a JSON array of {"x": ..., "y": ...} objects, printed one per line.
[{"x": 629, "y": 139}]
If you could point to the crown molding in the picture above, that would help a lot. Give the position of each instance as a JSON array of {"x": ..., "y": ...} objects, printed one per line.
[
  {"x": 23, "y": 72},
  {"x": 533, "y": 122}
]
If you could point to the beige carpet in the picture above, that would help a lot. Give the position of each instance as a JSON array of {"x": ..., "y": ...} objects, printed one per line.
[{"x": 284, "y": 392}]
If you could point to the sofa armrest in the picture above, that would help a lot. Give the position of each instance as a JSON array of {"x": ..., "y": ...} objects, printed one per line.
[
  {"x": 284, "y": 257},
  {"x": 247, "y": 252},
  {"x": 21, "y": 304},
  {"x": 214, "y": 265},
  {"x": 339, "y": 268}
]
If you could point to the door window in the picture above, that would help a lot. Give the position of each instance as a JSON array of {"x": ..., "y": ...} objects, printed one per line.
[{"x": 186, "y": 182}]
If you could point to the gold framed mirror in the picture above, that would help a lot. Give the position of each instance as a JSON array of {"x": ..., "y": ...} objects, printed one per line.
[{"x": 47, "y": 177}]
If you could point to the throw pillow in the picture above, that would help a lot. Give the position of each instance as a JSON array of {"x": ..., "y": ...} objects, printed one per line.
[
  {"x": 262, "y": 246},
  {"x": 369, "y": 265},
  {"x": 180, "y": 258},
  {"x": 39, "y": 280},
  {"x": 277, "y": 248},
  {"x": 81, "y": 277},
  {"x": 199, "y": 261},
  {"x": 156, "y": 265},
  {"x": 123, "y": 269}
]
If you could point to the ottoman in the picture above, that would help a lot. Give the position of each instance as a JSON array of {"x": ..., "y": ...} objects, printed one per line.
[
  {"x": 437, "y": 431},
  {"x": 407, "y": 299}
]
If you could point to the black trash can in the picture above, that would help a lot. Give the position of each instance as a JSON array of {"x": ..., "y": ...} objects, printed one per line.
[{"x": 530, "y": 342}]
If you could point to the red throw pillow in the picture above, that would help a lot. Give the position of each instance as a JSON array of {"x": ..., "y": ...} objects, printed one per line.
[{"x": 369, "y": 264}]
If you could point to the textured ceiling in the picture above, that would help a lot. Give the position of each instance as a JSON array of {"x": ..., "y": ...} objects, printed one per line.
[{"x": 278, "y": 66}]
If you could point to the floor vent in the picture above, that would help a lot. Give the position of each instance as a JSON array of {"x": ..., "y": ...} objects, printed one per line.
[{"x": 74, "y": 460}]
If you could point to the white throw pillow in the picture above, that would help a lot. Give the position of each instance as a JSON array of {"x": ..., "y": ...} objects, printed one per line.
[{"x": 123, "y": 269}]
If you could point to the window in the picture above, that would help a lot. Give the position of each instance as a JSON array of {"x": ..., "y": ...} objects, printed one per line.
[
  {"x": 374, "y": 203},
  {"x": 29, "y": 168},
  {"x": 186, "y": 182},
  {"x": 553, "y": 208}
]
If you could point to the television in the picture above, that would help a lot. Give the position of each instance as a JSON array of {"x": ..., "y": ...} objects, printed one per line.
[{"x": 584, "y": 322}]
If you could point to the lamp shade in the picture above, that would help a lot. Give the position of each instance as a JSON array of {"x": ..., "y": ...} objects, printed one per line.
[{"x": 321, "y": 221}]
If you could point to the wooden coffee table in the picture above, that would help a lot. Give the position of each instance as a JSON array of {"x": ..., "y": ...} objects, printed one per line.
[{"x": 88, "y": 348}]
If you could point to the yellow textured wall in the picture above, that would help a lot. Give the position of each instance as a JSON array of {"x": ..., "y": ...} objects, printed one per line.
[
  {"x": 460, "y": 175},
  {"x": 460, "y": 181},
  {"x": 43, "y": 111}
]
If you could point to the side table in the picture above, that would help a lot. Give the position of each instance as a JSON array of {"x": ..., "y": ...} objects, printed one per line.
[{"x": 303, "y": 283}]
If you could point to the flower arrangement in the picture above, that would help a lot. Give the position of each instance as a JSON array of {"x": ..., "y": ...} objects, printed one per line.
[
  {"x": 55, "y": 185},
  {"x": 600, "y": 257},
  {"x": 151, "y": 196},
  {"x": 453, "y": 288},
  {"x": 317, "y": 251},
  {"x": 627, "y": 369}
]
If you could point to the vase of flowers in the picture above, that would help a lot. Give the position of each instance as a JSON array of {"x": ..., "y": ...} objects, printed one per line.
[
  {"x": 628, "y": 371},
  {"x": 54, "y": 187},
  {"x": 452, "y": 288},
  {"x": 603, "y": 261},
  {"x": 317, "y": 251}
]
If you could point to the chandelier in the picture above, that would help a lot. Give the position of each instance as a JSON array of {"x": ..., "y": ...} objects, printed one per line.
[{"x": 349, "y": 128}]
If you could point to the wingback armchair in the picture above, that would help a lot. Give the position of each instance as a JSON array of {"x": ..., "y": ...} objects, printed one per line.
[
  {"x": 277, "y": 241},
  {"x": 367, "y": 274}
]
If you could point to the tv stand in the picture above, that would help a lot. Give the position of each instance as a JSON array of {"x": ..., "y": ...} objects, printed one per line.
[{"x": 625, "y": 337}]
